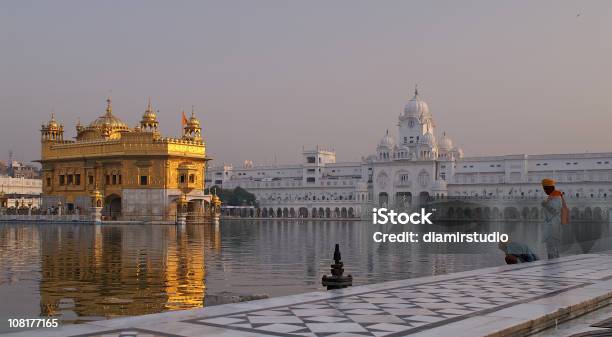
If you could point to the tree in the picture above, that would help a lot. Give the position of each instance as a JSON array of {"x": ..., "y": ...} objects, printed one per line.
[{"x": 236, "y": 197}]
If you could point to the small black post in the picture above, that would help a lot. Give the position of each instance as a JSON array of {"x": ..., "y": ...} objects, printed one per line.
[{"x": 337, "y": 280}]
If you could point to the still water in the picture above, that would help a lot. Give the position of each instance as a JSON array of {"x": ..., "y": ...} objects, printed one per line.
[{"x": 86, "y": 272}]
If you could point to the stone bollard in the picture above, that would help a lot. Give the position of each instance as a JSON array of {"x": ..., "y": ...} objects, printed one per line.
[{"x": 337, "y": 280}]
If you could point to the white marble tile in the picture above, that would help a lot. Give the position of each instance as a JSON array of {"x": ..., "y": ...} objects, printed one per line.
[
  {"x": 410, "y": 311},
  {"x": 375, "y": 319},
  {"x": 428, "y": 319},
  {"x": 223, "y": 320},
  {"x": 471, "y": 327},
  {"x": 309, "y": 306},
  {"x": 282, "y": 328},
  {"x": 440, "y": 306},
  {"x": 526, "y": 311},
  {"x": 274, "y": 319},
  {"x": 364, "y": 312},
  {"x": 335, "y": 327},
  {"x": 456, "y": 311},
  {"x": 270, "y": 313},
  {"x": 327, "y": 319},
  {"x": 316, "y": 312},
  {"x": 390, "y": 327},
  {"x": 397, "y": 305}
]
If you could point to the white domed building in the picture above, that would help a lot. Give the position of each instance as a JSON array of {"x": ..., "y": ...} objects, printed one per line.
[
  {"x": 404, "y": 169},
  {"x": 418, "y": 164}
]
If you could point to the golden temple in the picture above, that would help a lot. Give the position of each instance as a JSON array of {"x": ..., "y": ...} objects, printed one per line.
[{"x": 139, "y": 174}]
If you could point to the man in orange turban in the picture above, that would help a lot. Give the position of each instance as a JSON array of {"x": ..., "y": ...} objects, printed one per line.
[{"x": 552, "y": 208}]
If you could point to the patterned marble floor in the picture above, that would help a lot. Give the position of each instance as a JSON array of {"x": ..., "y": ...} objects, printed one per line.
[
  {"x": 471, "y": 303},
  {"x": 394, "y": 312}
]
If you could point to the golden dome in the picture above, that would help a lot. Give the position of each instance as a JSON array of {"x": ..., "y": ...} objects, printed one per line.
[
  {"x": 108, "y": 120},
  {"x": 53, "y": 124},
  {"x": 149, "y": 115},
  {"x": 193, "y": 121}
]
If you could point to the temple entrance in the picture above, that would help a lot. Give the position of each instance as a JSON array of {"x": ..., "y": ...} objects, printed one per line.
[
  {"x": 112, "y": 207},
  {"x": 383, "y": 199}
]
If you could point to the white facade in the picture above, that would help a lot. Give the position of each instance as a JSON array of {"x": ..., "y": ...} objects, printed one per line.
[
  {"x": 21, "y": 192},
  {"x": 405, "y": 171}
]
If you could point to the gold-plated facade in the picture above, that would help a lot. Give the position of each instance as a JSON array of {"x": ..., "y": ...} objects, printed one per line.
[{"x": 138, "y": 172}]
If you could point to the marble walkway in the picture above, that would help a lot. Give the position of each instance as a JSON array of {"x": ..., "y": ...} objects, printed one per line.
[{"x": 501, "y": 301}]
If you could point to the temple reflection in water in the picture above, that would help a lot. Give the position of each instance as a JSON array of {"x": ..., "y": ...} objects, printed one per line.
[
  {"x": 86, "y": 272},
  {"x": 123, "y": 270}
]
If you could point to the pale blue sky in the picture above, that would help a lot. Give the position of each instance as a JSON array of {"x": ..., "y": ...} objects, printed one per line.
[{"x": 270, "y": 76}]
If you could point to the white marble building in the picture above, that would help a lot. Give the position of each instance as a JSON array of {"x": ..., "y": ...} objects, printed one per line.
[
  {"x": 21, "y": 192},
  {"x": 418, "y": 164}
]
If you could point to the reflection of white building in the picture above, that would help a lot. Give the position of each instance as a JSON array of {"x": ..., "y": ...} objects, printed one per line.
[{"x": 408, "y": 169}]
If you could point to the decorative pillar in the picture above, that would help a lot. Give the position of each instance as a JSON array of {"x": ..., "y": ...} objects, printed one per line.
[
  {"x": 96, "y": 207},
  {"x": 181, "y": 210},
  {"x": 216, "y": 208}
]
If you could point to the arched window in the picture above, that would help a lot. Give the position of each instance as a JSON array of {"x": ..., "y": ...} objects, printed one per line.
[{"x": 423, "y": 178}]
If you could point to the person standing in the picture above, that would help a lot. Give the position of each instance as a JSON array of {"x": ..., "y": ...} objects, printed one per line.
[{"x": 553, "y": 207}]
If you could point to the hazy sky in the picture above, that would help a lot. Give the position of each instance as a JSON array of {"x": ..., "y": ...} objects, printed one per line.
[{"x": 267, "y": 77}]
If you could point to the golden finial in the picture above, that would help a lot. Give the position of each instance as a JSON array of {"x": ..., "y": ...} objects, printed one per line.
[
  {"x": 193, "y": 111},
  {"x": 149, "y": 107},
  {"x": 109, "y": 106}
]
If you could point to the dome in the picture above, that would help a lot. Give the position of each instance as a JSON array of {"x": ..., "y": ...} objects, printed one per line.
[
  {"x": 192, "y": 130},
  {"x": 386, "y": 141},
  {"x": 149, "y": 115},
  {"x": 445, "y": 143},
  {"x": 416, "y": 107},
  {"x": 193, "y": 121},
  {"x": 429, "y": 139},
  {"x": 108, "y": 120},
  {"x": 53, "y": 124}
]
